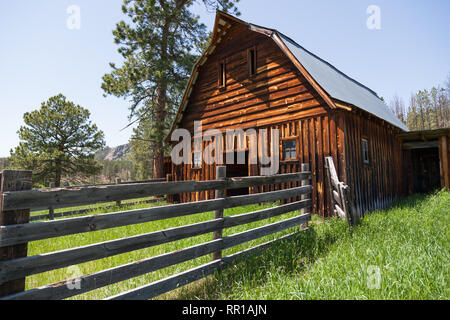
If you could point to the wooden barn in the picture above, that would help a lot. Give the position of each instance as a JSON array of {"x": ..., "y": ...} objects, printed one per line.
[{"x": 256, "y": 77}]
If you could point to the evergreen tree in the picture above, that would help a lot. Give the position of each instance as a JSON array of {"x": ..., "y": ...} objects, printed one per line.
[
  {"x": 57, "y": 140},
  {"x": 159, "y": 45},
  {"x": 141, "y": 151}
]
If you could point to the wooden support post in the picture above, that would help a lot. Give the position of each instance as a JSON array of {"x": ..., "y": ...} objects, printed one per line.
[
  {"x": 444, "y": 162},
  {"x": 118, "y": 181},
  {"x": 13, "y": 180},
  {"x": 51, "y": 211},
  {"x": 221, "y": 174},
  {"x": 304, "y": 168},
  {"x": 169, "y": 197},
  {"x": 330, "y": 186}
]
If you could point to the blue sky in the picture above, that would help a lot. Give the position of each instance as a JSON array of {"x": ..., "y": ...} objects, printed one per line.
[{"x": 41, "y": 57}]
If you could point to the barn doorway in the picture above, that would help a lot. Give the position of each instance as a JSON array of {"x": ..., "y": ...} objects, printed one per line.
[
  {"x": 237, "y": 170},
  {"x": 426, "y": 170}
]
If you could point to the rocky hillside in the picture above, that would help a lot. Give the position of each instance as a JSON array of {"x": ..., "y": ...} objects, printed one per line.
[{"x": 116, "y": 153}]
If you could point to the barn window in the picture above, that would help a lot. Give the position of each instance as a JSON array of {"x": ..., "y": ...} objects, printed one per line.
[
  {"x": 196, "y": 159},
  {"x": 289, "y": 149},
  {"x": 251, "y": 61},
  {"x": 365, "y": 150},
  {"x": 222, "y": 74}
]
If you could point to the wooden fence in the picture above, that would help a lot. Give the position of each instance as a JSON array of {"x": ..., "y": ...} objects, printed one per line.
[
  {"x": 16, "y": 231},
  {"x": 52, "y": 214},
  {"x": 340, "y": 195}
]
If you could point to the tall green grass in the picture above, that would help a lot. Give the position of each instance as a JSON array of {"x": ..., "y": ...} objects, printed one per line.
[
  {"x": 400, "y": 253},
  {"x": 61, "y": 243}
]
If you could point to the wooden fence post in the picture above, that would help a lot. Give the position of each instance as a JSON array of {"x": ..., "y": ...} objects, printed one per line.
[
  {"x": 305, "y": 182},
  {"x": 51, "y": 211},
  {"x": 13, "y": 180},
  {"x": 304, "y": 168},
  {"x": 221, "y": 174},
  {"x": 169, "y": 197},
  {"x": 118, "y": 181}
]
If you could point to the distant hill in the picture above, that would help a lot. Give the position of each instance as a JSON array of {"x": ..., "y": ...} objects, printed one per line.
[{"x": 117, "y": 153}]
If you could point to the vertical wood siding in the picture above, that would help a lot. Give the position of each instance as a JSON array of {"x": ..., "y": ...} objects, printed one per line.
[
  {"x": 377, "y": 184},
  {"x": 278, "y": 96}
]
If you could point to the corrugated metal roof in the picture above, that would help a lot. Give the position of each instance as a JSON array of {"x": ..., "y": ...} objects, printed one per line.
[{"x": 339, "y": 86}]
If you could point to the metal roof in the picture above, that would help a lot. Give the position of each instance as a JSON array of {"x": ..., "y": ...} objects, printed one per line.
[
  {"x": 329, "y": 81},
  {"x": 339, "y": 86}
]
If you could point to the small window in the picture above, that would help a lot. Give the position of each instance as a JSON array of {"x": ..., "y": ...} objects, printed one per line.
[
  {"x": 196, "y": 159},
  {"x": 365, "y": 150},
  {"x": 251, "y": 60},
  {"x": 290, "y": 150},
  {"x": 222, "y": 74}
]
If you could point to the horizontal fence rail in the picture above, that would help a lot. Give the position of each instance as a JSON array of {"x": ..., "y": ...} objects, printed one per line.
[
  {"x": 134, "y": 269},
  {"x": 83, "y": 211},
  {"x": 45, "y": 262},
  {"x": 22, "y": 233},
  {"x": 60, "y": 197},
  {"x": 157, "y": 288},
  {"x": 20, "y": 267}
]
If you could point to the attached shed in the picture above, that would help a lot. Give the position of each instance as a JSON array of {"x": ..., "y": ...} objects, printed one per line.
[
  {"x": 256, "y": 77},
  {"x": 426, "y": 158}
]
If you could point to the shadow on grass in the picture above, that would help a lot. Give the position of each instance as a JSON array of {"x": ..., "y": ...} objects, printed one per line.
[
  {"x": 410, "y": 202},
  {"x": 288, "y": 256}
]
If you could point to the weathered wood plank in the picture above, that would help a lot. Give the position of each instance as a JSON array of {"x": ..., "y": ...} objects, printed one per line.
[
  {"x": 22, "y": 233},
  {"x": 57, "y": 198},
  {"x": 131, "y": 270},
  {"x": 340, "y": 212},
  {"x": 83, "y": 211},
  {"x": 13, "y": 180},
  {"x": 221, "y": 174},
  {"x": 336, "y": 197},
  {"x": 170, "y": 283}
]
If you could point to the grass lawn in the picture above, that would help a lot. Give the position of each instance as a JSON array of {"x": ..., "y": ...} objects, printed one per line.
[{"x": 400, "y": 253}]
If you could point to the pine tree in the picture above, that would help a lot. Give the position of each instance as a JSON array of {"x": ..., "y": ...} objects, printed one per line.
[
  {"x": 140, "y": 145},
  {"x": 57, "y": 140},
  {"x": 159, "y": 46}
]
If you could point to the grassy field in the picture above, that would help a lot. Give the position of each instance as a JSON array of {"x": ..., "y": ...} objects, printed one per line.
[
  {"x": 61, "y": 243},
  {"x": 400, "y": 253}
]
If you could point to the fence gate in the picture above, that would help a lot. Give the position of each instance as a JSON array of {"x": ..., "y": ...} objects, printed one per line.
[{"x": 340, "y": 195}]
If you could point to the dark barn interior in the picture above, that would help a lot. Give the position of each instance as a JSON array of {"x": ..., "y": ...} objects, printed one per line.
[{"x": 426, "y": 165}]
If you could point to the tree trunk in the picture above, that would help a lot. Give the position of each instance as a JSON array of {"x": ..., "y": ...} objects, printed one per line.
[
  {"x": 158, "y": 163},
  {"x": 160, "y": 114},
  {"x": 58, "y": 174}
]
